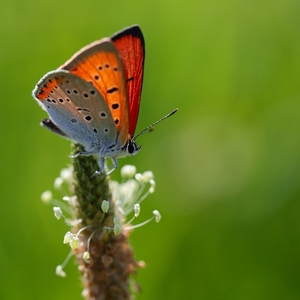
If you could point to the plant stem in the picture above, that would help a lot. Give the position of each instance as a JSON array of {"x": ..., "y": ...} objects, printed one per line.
[{"x": 107, "y": 276}]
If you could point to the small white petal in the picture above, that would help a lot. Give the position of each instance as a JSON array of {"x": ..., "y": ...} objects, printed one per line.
[
  {"x": 57, "y": 212},
  {"x": 86, "y": 257},
  {"x": 46, "y": 197},
  {"x": 117, "y": 220},
  {"x": 157, "y": 215},
  {"x": 66, "y": 174},
  {"x": 105, "y": 206},
  {"x": 66, "y": 198},
  {"x": 128, "y": 171},
  {"x": 74, "y": 243},
  {"x": 60, "y": 272},
  {"x": 139, "y": 177},
  {"x": 68, "y": 237},
  {"x": 117, "y": 229},
  {"x": 128, "y": 188},
  {"x": 136, "y": 209},
  {"x": 148, "y": 175},
  {"x": 58, "y": 182},
  {"x": 152, "y": 187},
  {"x": 113, "y": 184}
]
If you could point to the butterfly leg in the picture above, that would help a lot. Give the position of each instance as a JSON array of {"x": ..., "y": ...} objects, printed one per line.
[
  {"x": 101, "y": 164},
  {"x": 115, "y": 162},
  {"x": 116, "y": 165}
]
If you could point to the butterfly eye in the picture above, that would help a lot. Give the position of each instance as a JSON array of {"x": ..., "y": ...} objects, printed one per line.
[{"x": 132, "y": 148}]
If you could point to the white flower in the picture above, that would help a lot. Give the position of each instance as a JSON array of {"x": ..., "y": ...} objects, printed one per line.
[
  {"x": 67, "y": 198},
  {"x": 139, "y": 177},
  {"x": 74, "y": 243},
  {"x": 117, "y": 220},
  {"x": 105, "y": 206},
  {"x": 128, "y": 171},
  {"x": 157, "y": 215},
  {"x": 57, "y": 212},
  {"x": 136, "y": 209},
  {"x": 66, "y": 174},
  {"x": 58, "y": 182},
  {"x": 68, "y": 237},
  {"x": 128, "y": 197},
  {"x": 46, "y": 197},
  {"x": 86, "y": 257},
  {"x": 117, "y": 229},
  {"x": 148, "y": 175},
  {"x": 60, "y": 272},
  {"x": 152, "y": 186}
]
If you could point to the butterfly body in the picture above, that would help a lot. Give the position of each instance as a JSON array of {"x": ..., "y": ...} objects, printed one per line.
[{"x": 93, "y": 99}]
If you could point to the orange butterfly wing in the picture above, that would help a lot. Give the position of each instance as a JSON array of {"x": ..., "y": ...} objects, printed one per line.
[
  {"x": 100, "y": 64},
  {"x": 131, "y": 46}
]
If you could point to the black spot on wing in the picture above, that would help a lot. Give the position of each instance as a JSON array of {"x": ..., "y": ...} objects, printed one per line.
[
  {"x": 130, "y": 79},
  {"x": 81, "y": 108},
  {"x": 112, "y": 90}
]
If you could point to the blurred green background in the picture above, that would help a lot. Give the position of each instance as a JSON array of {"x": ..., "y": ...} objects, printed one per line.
[{"x": 227, "y": 165}]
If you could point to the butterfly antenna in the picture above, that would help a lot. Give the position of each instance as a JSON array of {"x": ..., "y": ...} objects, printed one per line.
[{"x": 149, "y": 128}]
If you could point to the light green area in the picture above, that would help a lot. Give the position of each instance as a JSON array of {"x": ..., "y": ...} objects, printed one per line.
[{"x": 227, "y": 165}]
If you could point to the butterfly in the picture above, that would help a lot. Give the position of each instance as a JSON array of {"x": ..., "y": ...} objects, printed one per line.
[{"x": 94, "y": 98}]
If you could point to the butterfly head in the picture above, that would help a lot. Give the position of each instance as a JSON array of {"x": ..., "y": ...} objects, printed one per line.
[{"x": 132, "y": 148}]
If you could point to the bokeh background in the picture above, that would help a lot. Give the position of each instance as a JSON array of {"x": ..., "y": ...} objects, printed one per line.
[{"x": 227, "y": 165}]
